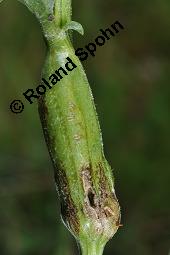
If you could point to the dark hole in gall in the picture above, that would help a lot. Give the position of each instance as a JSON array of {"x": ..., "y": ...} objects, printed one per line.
[{"x": 91, "y": 198}]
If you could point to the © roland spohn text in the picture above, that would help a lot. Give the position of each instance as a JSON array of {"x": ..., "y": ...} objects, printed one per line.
[{"x": 82, "y": 53}]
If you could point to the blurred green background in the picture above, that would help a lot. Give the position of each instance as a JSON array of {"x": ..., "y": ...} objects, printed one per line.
[{"x": 130, "y": 79}]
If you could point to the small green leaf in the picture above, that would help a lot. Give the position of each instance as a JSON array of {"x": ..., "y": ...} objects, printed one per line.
[{"x": 73, "y": 25}]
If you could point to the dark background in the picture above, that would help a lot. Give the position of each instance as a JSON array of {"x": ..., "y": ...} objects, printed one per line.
[{"x": 130, "y": 79}]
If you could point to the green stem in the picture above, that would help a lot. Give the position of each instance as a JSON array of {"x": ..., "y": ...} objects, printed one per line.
[
  {"x": 62, "y": 12},
  {"x": 92, "y": 248}
]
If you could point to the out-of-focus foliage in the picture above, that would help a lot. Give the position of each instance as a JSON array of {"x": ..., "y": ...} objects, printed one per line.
[{"x": 130, "y": 79}]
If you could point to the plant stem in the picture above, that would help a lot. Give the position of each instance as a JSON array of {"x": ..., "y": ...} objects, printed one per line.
[
  {"x": 84, "y": 179},
  {"x": 62, "y": 12},
  {"x": 92, "y": 248}
]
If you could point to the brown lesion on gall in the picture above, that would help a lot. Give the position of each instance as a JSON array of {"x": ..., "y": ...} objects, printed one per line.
[
  {"x": 108, "y": 212},
  {"x": 102, "y": 208},
  {"x": 90, "y": 200},
  {"x": 118, "y": 224},
  {"x": 43, "y": 110},
  {"x": 86, "y": 178},
  {"x": 43, "y": 113},
  {"x": 108, "y": 197},
  {"x": 68, "y": 208}
]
